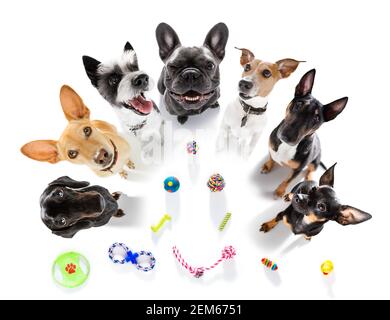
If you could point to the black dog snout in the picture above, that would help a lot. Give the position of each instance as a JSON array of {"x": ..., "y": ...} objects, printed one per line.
[
  {"x": 190, "y": 74},
  {"x": 245, "y": 85},
  {"x": 141, "y": 81},
  {"x": 103, "y": 157}
]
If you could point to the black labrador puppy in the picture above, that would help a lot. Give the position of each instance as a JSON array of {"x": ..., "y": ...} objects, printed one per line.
[{"x": 68, "y": 206}]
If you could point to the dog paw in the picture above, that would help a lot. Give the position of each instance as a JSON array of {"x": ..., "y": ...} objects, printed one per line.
[
  {"x": 119, "y": 213},
  {"x": 279, "y": 192},
  {"x": 307, "y": 238},
  {"x": 215, "y": 105},
  {"x": 130, "y": 164},
  {"x": 116, "y": 195},
  {"x": 265, "y": 227},
  {"x": 288, "y": 197},
  {"x": 265, "y": 169},
  {"x": 182, "y": 119},
  {"x": 123, "y": 174}
]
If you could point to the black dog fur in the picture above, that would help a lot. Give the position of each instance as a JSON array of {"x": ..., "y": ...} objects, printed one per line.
[
  {"x": 304, "y": 116},
  {"x": 313, "y": 205},
  {"x": 68, "y": 206},
  {"x": 189, "y": 80}
]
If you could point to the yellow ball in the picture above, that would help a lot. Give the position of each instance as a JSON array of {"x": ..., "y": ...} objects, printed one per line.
[
  {"x": 170, "y": 183},
  {"x": 327, "y": 267}
]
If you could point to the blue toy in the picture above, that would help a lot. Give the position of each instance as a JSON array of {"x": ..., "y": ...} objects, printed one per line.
[{"x": 171, "y": 184}]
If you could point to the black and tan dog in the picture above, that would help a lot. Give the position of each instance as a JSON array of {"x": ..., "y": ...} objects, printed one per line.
[
  {"x": 68, "y": 206},
  {"x": 294, "y": 143},
  {"x": 313, "y": 205}
]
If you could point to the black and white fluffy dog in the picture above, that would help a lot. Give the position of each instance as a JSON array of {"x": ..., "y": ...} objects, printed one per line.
[{"x": 125, "y": 87}]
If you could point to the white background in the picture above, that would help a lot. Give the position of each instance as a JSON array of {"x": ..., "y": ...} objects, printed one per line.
[{"x": 41, "y": 47}]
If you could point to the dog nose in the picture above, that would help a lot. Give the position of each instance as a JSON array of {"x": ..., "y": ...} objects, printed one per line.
[
  {"x": 141, "y": 81},
  {"x": 103, "y": 157},
  {"x": 299, "y": 198},
  {"x": 245, "y": 85},
  {"x": 190, "y": 74}
]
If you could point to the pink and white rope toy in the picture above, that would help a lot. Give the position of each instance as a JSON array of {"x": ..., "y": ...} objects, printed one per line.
[{"x": 227, "y": 253}]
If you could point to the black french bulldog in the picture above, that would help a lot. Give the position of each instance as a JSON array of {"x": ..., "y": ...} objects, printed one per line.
[
  {"x": 68, "y": 206},
  {"x": 313, "y": 205},
  {"x": 189, "y": 80}
]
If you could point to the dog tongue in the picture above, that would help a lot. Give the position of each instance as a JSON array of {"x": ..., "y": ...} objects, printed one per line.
[{"x": 142, "y": 105}]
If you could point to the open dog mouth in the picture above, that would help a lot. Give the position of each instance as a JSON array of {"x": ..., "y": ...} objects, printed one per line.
[
  {"x": 140, "y": 105},
  {"x": 114, "y": 160},
  {"x": 191, "y": 97},
  {"x": 244, "y": 96}
]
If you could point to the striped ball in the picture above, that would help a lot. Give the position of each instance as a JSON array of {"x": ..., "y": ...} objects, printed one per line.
[{"x": 269, "y": 264}]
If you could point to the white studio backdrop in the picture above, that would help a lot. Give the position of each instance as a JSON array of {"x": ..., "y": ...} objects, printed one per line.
[{"x": 347, "y": 42}]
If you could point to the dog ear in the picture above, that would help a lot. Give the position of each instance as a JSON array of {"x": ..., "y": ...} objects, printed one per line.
[
  {"x": 167, "y": 40},
  {"x": 216, "y": 39},
  {"x": 333, "y": 109},
  {"x": 42, "y": 150},
  {"x": 350, "y": 215},
  {"x": 72, "y": 105},
  {"x": 327, "y": 179},
  {"x": 305, "y": 85},
  {"x": 69, "y": 182},
  {"x": 128, "y": 48},
  {"x": 91, "y": 66},
  {"x": 246, "y": 56},
  {"x": 287, "y": 66}
]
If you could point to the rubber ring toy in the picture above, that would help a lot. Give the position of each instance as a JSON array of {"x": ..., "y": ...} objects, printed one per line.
[
  {"x": 73, "y": 269},
  {"x": 171, "y": 184},
  {"x": 119, "y": 253}
]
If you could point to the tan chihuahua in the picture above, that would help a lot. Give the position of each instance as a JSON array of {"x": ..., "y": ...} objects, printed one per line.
[{"x": 93, "y": 143}]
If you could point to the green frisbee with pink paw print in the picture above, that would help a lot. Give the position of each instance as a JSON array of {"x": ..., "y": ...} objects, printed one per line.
[{"x": 70, "y": 269}]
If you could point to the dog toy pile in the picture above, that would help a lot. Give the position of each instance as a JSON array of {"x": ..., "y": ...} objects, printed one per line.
[
  {"x": 227, "y": 253},
  {"x": 192, "y": 147},
  {"x": 171, "y": 184},
  {"x": 119, "y": 253},
  {"x": 164, "y": 219},
  {"x": 216, "y": 183},
  {"x": 225, "y": 221},
  {"x": 327, "y": 267},
  {"x": 70, "y": 269},
  {"x": 269, "y": 264}
]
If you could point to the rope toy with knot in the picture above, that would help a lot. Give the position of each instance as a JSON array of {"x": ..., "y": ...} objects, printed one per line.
[{"x": 227, "y": 253}]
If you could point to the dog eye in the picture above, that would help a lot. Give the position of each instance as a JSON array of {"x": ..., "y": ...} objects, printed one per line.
[
  {"x": 266, "y": 73},
  {"x": 314, "y": 189},
  {"x": 298, "y": 105},
  {"x": 321, "y": 207},
  {"x": 61, "y": 222},
  {"x": 210, "y": 66},
  {"x": 247, "y": 67},
  {"x": 59, "y": 193},
  {"x": 113, "y": 80},
  {"x": 87, "y": 131},
  {"x": 316, "y": 118},
  {"x": 72, "y": 154}
]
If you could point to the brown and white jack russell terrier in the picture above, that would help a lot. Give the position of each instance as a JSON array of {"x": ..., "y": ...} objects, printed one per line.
[
  {"x": 94, "y": 143},
  {"x": 245, "y": 118}
]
